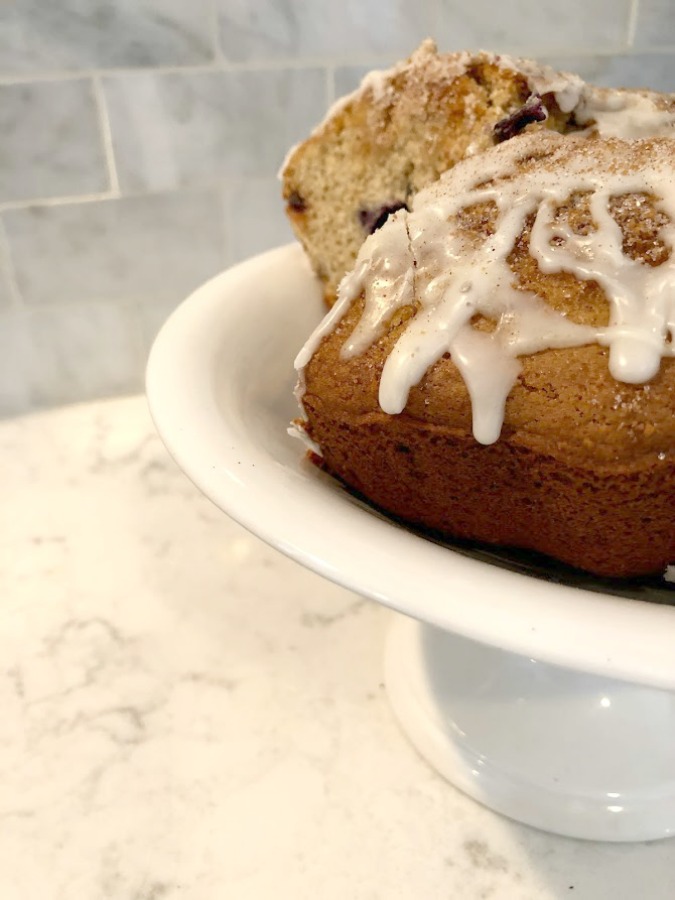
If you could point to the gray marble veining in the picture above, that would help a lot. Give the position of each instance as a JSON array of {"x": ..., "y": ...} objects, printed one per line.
[
  {"x": 51, "y": 142},
  {"x": 652, "y": 70},
  {"x": 82, "y": 351},
  {"x": 254, "y": 222},
  {"x": 286, "y": 29},
  {"x": 136, "y": 248},
  {"x": 533, "y": 29},
  {"x": 39, "y": 35},
  {"x": 655, "y": 24},
  {"x": 255, "y": 216},
  {"x": 68, "y": 353},
  {"x": 192, "y": 128},
  {"x": 189, "y": 715}
]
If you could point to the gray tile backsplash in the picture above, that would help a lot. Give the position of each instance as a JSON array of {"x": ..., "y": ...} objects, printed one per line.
[
  {"x": 181, "y": 128},
  {"x": 51, "y": 141},
  {"x": 85, "y": 350},
  {"x": 533, "y": 29},
  {"x": 151, "y": 316},
  {"x": 4, "y": 289},
  {"x": 650, "y": 70},
  {"x": 15, "y": 363},
  {"x": 140, "y": 139},
  {"x": 5, "y": 292},
  {"x": 148, "y": 247},
  {"x": 347, "y": 78},
  {"x": 655, "y": 24},
  {"x": 44, "y": 35},
  {"x": 322, "y": 29},
  {"x": 255, "y": 217}
]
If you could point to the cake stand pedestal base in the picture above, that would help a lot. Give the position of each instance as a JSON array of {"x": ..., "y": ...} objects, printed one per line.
[{"x": 560, "y": 750}]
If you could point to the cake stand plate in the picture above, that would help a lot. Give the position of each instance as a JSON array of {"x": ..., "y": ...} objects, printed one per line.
[{"x": 580, "y": 742}]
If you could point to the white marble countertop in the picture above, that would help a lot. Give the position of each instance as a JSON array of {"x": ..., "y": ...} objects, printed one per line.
[{"x": 188, "y": 715}]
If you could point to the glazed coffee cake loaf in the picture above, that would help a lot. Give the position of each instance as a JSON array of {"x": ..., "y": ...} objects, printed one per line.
[
  {"x": 500, "y": 363},
  {"x": 404, "y": 127}
]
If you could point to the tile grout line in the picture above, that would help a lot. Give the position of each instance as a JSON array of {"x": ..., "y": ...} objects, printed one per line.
[
  {"x": 64, "y": 200},
  {"x": 106, "y": 136},
  {"x": 69, "y": 200},
  {"x": 218, "y": 55},
  {"x": 16, "y": 300},
  {"x": 632, "y": 23},
  {"x": 223, "y": 65}
]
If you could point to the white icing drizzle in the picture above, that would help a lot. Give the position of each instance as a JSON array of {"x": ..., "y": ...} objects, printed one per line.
[
  {"x": 566, "y": 87},
  {"x": 427, "y": 66},
  {"x": 610, "y": 113},
  {"x": 386, "y": 278},
  {"x": 625, "y": 114},
  {"x": 424, "y": 260}
]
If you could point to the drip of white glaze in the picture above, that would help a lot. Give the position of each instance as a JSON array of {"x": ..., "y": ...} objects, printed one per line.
[
  {"x": 385, "y": 277},
  {"x": 427, "y": 66},
  {"x": 424, "y": 260},
  {"x": 608, "y": 112},
  {"x": 625, "y": 114},
  {"x": 566, "y": 87},
  {"x": 296, "y": 430}
]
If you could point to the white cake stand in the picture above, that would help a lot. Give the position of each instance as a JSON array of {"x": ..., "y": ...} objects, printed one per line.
[{"x": 544, "y": 695}]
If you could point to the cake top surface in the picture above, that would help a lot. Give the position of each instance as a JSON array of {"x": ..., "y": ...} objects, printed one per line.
[
  {"x": 436, "y": 261},
  {"x": 607, "y": 111}
]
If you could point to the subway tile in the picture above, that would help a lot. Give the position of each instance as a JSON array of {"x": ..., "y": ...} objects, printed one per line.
[
  {"x": 650, "y": 70},
  {"x": 149, "y": 247},
  {"x": 283, "y": 29},
  {"x": 655, "y": 24},
  {"x": 15, "y": 357},
  {"x": 192, "y": 128},
  {"x": 534, "y": 29},
  {"x": 348, "y": 78},
  {"x": 256, "y": 218},
  {"x": 51, "y": 141},
  {"x": 255, "y": 222},
  {"x": 151, "y": 317},
  {"x": 5, "y": 293},
  {"x": 39, "y": 35},
  {"x": 81, "y": 351}
]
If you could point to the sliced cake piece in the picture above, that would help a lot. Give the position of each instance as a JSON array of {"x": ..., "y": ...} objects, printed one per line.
[
  {"x": 400, "y": 131},
  {"x": 404, "y": 127}
]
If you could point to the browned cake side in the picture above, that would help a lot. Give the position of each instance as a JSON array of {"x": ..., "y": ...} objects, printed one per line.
[
  {"x": 584, "y": 469},
  {"x": 395, "y": 137}
]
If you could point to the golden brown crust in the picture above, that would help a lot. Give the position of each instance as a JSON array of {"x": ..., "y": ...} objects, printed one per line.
[
  {"x": 616, "y": 524},
  {"x": 564, "y": 403},
  {"x": 584, "y": 469}
]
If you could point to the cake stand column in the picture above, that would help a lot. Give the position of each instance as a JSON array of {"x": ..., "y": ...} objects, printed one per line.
[{"x": 560, "y": 750}]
